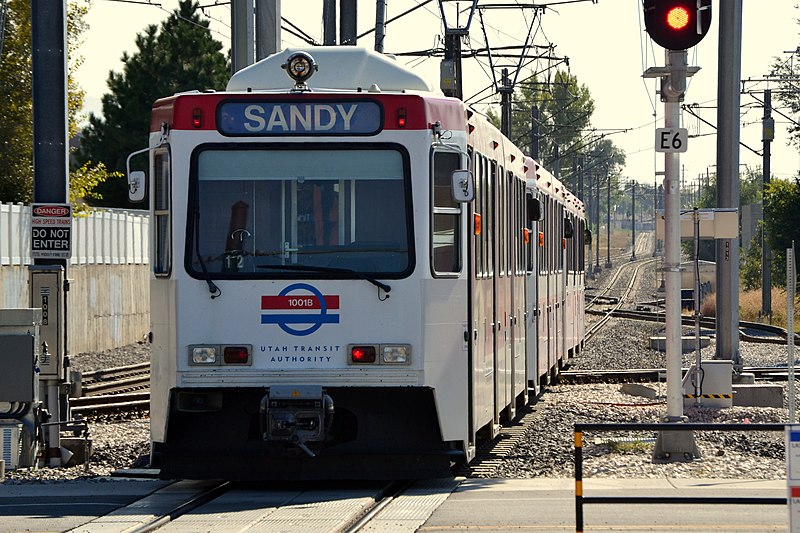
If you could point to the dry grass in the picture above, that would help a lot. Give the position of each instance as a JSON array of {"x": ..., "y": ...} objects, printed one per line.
[{"x": 750, "y": 308}]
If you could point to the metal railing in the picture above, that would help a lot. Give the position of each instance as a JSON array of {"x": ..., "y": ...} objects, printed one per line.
[
  {"x": 581, "y": 500},
  {"x": 103, "y": 237}
]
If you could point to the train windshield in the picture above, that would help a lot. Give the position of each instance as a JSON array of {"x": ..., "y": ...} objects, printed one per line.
[{"x": 331, "y": 210}]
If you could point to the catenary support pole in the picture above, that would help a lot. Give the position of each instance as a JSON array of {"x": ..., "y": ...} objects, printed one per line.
[
  {"x": 727, "y": 270},
  {"x": 768, "y": 133}
]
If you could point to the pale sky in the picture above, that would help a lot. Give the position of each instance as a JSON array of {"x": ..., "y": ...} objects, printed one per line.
[{"x": 605, "y": 42}]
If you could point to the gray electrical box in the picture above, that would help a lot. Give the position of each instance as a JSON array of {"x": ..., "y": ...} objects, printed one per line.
[
  {"x": 47, "y": 293},
  {"x": 19, "y": 381},
  {"x": 19, "y": 350}
]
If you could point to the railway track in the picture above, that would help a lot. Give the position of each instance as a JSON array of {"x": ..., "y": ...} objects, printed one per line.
[
  {"x": 655, "y": 374},
  {"x": 616, "y": 302},
  {"x": 113, "y": 391},
  {"x": 334, "y": 507}
]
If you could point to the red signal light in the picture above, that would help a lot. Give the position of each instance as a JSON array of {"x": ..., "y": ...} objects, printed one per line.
[
  {"x": 678, "y": 18},
  {"x": 677, "y": 24}
]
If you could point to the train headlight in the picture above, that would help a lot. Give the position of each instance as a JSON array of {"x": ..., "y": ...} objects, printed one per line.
[
  {"x": 396, "y": 354},
  {"x": 204, "y": 355},
  {"x": 300, "y": 67}
]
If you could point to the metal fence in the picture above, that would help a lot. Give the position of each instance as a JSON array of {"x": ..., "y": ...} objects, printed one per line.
[
  {"x": 109, "y": 296},
  {"x": 104, "y": 237},
  {"x": 581, "y": 500}
]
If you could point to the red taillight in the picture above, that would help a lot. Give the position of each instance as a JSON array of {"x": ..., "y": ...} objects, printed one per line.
[
  {"x": 363, "y": 354},
  {"x": 236, "y": 355},
  {"x": 526, "y": 235},
  {"x": 401, "y": 117},
  {"x": 197, "y": 117},
  {"x": 476, "y": 222}
]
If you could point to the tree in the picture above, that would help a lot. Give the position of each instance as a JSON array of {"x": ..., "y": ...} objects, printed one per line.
[
  {"x": 181, "y": 56},
  {"x": 783, "y": 69},
  {"x": 16, "y": 106},
  {"x": 565, "y": 111},
  {"x": 782, "y": 223}
]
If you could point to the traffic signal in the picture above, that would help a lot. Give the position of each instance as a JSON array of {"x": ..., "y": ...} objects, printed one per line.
[{"x": 677, "y": 24}]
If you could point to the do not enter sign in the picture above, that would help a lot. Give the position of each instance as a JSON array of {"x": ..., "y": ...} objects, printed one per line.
[{"x": 51, "y": 231}]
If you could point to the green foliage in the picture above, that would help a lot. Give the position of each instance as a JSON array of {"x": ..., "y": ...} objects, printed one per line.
[
  {"x": 565, "y": 109},
  {"x": 750, "y": 186},
  {"x": 750, "y": 265},
  {"x": 16, "y": 106},
  {"x": 784, "y": 70},
  {"x": 180, "y": 56},
  {"x": 782, "y": 223},
  {"x": 83, "y": 185}
]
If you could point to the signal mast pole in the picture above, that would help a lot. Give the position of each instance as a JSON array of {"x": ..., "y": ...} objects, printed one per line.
[{"x": 676, "y": 25}]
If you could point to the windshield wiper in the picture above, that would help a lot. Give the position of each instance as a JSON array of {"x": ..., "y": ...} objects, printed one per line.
[
  {"x": 312, "y": 268},
  {"x": 212, "y": 287}
]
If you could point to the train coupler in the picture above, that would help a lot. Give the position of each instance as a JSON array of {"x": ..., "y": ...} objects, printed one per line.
[{"x": 296, "y": 415}]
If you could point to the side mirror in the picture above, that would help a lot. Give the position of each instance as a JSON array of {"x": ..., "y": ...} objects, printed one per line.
[
  {"x": 534, "y": 208},
  {"x": 587, "y": 237},
  {"x": 463, "y": 186},
  {"x": 569, "y": 229},
  {"x": 136, "y": 188}
]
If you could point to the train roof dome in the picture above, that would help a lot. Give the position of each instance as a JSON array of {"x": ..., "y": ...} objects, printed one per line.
[{"x": 340, "y": 67}]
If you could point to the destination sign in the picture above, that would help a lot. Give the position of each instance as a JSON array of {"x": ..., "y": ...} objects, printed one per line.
[{"x": 296, "y": 118}]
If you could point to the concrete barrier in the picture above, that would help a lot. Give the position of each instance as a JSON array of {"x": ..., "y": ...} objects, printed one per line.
[{"x": 758, "y": 395}]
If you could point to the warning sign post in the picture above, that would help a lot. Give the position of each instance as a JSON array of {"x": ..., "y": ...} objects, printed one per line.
[{"x": 51, "y": 231}]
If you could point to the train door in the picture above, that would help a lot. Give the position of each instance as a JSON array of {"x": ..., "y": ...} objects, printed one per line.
[
  {"x": 481, "y": 308},
  {"x": 559, "y": 281},
  {"x": 531, "y": 296},
  {"x": 517, "y": 272},
  {"x": 552, "y": 286},
  {"x": 502, "y": 294},
  {"x": 543, "y": 305}
]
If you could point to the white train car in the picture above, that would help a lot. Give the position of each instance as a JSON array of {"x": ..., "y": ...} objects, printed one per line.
[
  {"x": 556, "y": 292},
  {"x": 340, "y": 261}
]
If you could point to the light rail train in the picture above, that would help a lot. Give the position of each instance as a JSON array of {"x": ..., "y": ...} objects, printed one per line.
[{"x": 353, "y": 275}]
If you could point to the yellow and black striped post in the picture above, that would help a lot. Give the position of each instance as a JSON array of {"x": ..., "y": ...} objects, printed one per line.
[
  {"x": 712, "y": 396},
  {"x": 579, "y": 481}
]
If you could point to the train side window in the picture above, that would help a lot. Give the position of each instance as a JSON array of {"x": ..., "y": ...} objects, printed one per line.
[
  {"x": 446, "y": 216},
  {"x": 163, "y": 234}
]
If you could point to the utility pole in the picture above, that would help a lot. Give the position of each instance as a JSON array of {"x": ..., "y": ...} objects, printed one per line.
[
  {"x": 633, "y": 220},
  {"x": 535, "y": 133},
  {"x": 50, "y": 185},
  {"x": 597, "y": 223},
  {"x": 767, "y": 135},
  {"x": 556, "y": 161},
  {"x": 505, "y": 104},
  {"x": 727, "y": 269},
  {"x": 450, "y": 68},
  {"x": 608, "y": 218},
  {"x": 268, "y": 28},
  {"x": 380, "y": 24},
  {"x": 348, "y": 17},
  {"x": 329, "y": 22},
  {"x": 242, "y": 35}
]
